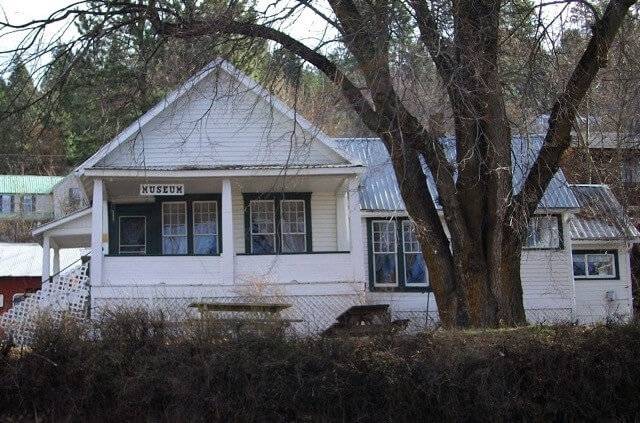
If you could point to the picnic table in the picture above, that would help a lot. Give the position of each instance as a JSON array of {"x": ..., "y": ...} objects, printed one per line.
[
  {"x": 365, "y": 320},
  {"x": 246, "y": 315}
]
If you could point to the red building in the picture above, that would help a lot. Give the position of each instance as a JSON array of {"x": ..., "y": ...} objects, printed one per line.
[
  {"x": 20, "y": 272},
  {"x": 16, "y": 288}
]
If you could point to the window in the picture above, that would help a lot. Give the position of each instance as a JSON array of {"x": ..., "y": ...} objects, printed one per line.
[
  {"x": 174, "y": 228},
  {"x": 205, "y": 227},
  {"x": 544, "y": 232},
  {"x": 1, "y": 301},
  {"x": 293, "y": 226},
  {"x": 595, "y": 265},
  {"x": 6, "y": 203},
  {"x": 395, "y": 257},
  {"x": 277, "y": 223},
  {"x": 28, "y": 203},
  {"x": 133, "y": 235},
  {"x": 385, "y": 262},
  {"x": 415, "y": 269},
  {"x": 263, "y": 226}
]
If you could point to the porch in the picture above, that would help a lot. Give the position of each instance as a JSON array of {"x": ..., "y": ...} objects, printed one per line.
[{"x": 222, "y": 233}]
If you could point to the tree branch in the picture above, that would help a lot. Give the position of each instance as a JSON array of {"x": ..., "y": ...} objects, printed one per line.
[{"x": 558, "y": 136}]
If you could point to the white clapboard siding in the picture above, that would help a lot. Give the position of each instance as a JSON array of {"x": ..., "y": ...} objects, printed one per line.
[
  {"x": 323, "y": 221},
  {"x": 167, "y": 270},
  {"x": 210, "y": 127},
  {"x": 591, "y": 295}
]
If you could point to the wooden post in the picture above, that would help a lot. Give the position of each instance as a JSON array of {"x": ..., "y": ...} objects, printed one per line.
[
  {"x": 97, "y": 212},
  {"x": 228, "y": 248},
  {"x": 46, "y": 258},
  {"x": 56, "y": 257},
  {"x": 355, "y": 231},
  {"x": 342, "y": 217}
]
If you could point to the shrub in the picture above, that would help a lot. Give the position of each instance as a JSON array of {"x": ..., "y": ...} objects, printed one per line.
[{"x": 138, "y": 366}]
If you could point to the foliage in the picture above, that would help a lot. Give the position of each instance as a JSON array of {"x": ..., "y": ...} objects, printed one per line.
[{"x": 136, "y": 366}]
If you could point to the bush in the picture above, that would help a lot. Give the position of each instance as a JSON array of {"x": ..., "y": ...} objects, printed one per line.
[{"x": 136, "y": 366}]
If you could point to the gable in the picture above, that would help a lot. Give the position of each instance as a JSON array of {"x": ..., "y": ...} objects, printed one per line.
[{"x": 221, "y": 121}]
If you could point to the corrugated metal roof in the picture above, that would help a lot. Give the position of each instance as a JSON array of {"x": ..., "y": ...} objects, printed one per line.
[
  {"x": 26, "y": 259},
  {"x": 379, "y": 189},
  {"x": 27, "y": 184},
  {"x": 601, "y": 217}
]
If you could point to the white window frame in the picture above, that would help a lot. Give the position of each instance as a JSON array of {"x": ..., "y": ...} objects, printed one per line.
[
  {"x": 251, "y": 233},
  {"x": 186, "y": 227},
  {"x": 586, "y": 255},
  {"x": 215, "y": 221},
  {"x": 304, "y": 220},
  {"x": 128, "y": 253},
  {"x": 394, "y": 252},
  {"x": 405, "y": 252}
]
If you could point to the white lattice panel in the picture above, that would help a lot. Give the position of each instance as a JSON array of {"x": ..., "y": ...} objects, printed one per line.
[{"x": 67, "y": 294}]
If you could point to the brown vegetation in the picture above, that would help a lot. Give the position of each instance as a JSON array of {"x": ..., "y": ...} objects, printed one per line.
[{"x": 141, "y": 368}]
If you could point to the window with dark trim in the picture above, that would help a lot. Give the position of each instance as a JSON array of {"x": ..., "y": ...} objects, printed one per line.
[
  {"x": 544, "y": 232},
  {"x": 395, "y": 258},
  {"x": 277, "y": 223},
  {"x": 187, "y": 225},
  {"x": 595, "y": 264}
]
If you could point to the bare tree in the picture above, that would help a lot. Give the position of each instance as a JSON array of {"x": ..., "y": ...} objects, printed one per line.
[{"x": 474, "y": 270}]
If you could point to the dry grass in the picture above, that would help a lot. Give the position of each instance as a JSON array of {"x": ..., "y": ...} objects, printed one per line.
[{"x": 136, "y": 366}]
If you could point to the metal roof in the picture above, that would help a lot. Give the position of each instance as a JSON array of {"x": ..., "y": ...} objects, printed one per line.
[
  {"x": 379, "y": 188},
  {"x": 601, "y": 217},
  {"x": 26, "y": 259},
  {"x": 27, "y": 184}
]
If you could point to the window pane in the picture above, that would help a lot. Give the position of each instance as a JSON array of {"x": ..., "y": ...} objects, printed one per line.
[
  {"x": 174, "y": 228},
  {"x": 262, "y": 216},
  {"x": 292, "y": 222},
  {"x": 600, "y": 264},
  {"x": 133, "y": 234},
  {"x": 579, "y": 268},
  {"x": 294, "y": 243},
  {"x": 384, "y": 236},
  {"x": 416, "y": 269},
  {"x": 174, "y": 245},
  {"x": 543, "y": 232},
  {"x": 205, "y": 244},
  {"x": 385, "y": 269},
  {"x": 384, "y": 252},
  {"x": 262, "y": 244}
]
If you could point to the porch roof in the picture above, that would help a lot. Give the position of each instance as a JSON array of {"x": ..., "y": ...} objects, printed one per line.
[{"x": 58, "y": 223}]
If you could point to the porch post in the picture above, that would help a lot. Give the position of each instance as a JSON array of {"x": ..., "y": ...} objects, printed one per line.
[
  {"x": 46, "y": 258},
  {"x": 342, "y": 217},
  {"x": 97, "y": 212},
  {"x": 355, "y": 231},
  {"x": 56, "y": 257},
  {"x": 228, "y": 249}
]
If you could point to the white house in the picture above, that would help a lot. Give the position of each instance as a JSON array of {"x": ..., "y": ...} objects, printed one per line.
[{"x": 222, "y": 192}]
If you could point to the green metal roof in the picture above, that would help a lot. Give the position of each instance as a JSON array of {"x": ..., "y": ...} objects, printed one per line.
[{"x": 27, "y": 184}]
